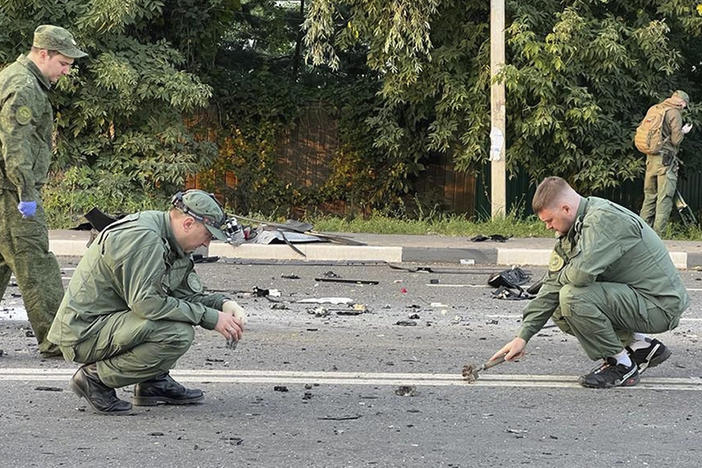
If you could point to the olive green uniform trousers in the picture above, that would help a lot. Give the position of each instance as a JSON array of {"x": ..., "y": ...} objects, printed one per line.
[
  {"x": 130, "y": 349},
  {"x": 659, "y": 191},
  {"x": 602, "y": 315},
  {"x": 24, "y": 251}
]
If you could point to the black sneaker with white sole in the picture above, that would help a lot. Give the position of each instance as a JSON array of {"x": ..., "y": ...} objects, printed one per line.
[
  {"x": 656, "y": 353},
  {"x": 611, "y": 374}
]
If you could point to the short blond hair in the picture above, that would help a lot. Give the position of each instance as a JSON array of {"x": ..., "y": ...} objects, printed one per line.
[{"x": 548, "y": 193}]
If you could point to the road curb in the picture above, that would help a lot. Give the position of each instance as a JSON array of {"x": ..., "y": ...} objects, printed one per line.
[{"x": 392, "y": 254}]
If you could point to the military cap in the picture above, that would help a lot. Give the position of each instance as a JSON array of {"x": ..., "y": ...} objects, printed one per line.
[
  {"x": 205, "y": 208},
  {"x": 682, "y": 95},
  {"x": 55, "y": 38}
]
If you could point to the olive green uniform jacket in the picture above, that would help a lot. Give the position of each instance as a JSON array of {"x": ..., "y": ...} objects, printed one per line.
[
  {"x": 609, "y": 276},
  {"x": 26, "y": 125},
  {"x": 133, "y": 301}
]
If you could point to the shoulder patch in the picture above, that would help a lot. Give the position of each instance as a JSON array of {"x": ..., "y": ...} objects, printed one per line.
[
  {"x": 23, "y": 115},
  {"x": 556, "y": 262},
  {"x": 194, "y": 283}
]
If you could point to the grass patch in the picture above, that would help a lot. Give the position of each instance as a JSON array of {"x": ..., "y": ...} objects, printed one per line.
[
  {"x": 442, "y": 224},
  {"x": 456, "y": 225}
]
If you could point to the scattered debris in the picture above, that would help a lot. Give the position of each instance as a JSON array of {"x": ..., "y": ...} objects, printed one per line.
[
  {"x": 492, "y": 237},
  {"x": 357, "y": 309},
  {"x": 214, "y": 360},
  {"x": 233, "y": 440},
  {"x": 48, "y": 389},
  {"x": 199, "y": 258},
  {"x": 319, "y": 312},
  {"x": 29, "y": 334},
  {"x": 516, "y": 431},
  {"x": 511, "y": 295},
  {"x": 280, "y": 388},
  {"x": 512, "y": 278},
  {"x": 339, "y": 418},
  {"x": 406, "y": 390},
  {"x": 279, "y": 306},
  {"x": 414, "y": 317},
  {"x": 406, "y": 323},
  {"x": 307, "y": 396},
  {"x": 509, "y": 284},
  {"x": 326, "y": 300},
  {"x": 344, "y": 280},
  {"x": 261, "y": 292}
]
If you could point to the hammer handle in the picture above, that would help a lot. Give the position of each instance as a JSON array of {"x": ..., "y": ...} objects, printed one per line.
[{"x": 493, "y": 363}]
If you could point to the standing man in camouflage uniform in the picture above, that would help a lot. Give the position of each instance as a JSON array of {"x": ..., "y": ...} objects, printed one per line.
[
  {"x": 662, "y": 168},
  {"x": 610, "y": 280},
  {"x": 26, "y": 125},
  {"x": 132, "y": 304}
]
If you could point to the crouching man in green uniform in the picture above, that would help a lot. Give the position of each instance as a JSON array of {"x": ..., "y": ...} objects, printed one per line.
[
  {"x": 131, "y": 306},
  {"x": 610, "y": 280}
]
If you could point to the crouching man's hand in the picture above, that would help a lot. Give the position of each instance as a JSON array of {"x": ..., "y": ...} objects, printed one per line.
[
  {"x": 228, "y": 325},
  {"x": 231, "y": 323},
  {"x": 231, "y": 307},
  {"x": 512, "y": 350}
]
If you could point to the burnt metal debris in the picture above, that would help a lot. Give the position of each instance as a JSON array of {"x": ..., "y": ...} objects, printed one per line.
[
  {"x": 255, "y": 232},
  {"x": 509, "y": 285}
]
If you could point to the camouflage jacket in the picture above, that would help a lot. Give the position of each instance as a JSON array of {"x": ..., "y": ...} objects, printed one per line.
[
  {"x": 135, "y": 266},
  {"x": 672, "y": 129},
  {"x": 607, "y": 243},
  {"x": 26, "y": 124}
]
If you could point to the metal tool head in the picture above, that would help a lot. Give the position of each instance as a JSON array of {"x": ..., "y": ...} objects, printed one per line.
[{"x": 470, "y": 373}]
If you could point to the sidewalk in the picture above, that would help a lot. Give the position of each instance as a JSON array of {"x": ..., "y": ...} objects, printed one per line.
[{"x": 395, "y": 249}]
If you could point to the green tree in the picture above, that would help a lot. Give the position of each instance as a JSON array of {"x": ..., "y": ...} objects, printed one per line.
[
  {"x": 580, "y": 76},
  {"x": 126, "y": 110}
]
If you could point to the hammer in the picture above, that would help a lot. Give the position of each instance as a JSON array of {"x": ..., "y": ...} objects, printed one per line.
[{"x": 470, "y": 372}]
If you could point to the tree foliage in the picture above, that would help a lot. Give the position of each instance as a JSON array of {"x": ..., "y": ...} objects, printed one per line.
[
  {"x": 123, "y": 110},
  {"x": 579, "y": 77}
]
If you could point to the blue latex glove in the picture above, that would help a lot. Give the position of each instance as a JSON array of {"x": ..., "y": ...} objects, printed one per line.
[{"x": 27, "y": 208}]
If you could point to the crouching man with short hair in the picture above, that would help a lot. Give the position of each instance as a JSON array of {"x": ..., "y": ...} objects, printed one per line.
[
  {"x": 131, "y": 306},
  {"x": 610, "y": 281}
]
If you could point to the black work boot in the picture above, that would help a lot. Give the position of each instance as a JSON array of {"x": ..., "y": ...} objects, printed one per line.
[
  {"x": 87, "y": 384},
  {"x": 164, "y": 389}
]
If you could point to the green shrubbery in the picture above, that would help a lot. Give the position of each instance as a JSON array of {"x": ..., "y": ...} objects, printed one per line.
[{"x": 70, "y": 195}]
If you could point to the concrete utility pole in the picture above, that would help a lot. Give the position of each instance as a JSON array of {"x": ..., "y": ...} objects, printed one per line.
[{"x": 498, "y": 190}]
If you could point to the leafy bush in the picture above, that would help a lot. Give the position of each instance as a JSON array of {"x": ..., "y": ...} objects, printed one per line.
[{"x": 71, "y": 194}]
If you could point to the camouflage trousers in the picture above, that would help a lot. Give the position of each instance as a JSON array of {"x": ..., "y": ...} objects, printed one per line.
[
  {"x": 24, "y": 251},
  {"x": 130, "y": 349},
  {"x": 604, "y": 316},
  {"x": 659, "y": 190}
]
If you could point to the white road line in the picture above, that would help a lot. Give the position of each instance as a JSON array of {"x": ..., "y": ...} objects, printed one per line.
[
  {"x": 519, "y": 317},
  {"x": 361, "y": 378}
]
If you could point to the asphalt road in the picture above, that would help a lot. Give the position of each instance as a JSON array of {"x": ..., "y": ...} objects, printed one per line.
[{"x": 308, "y": 386}]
